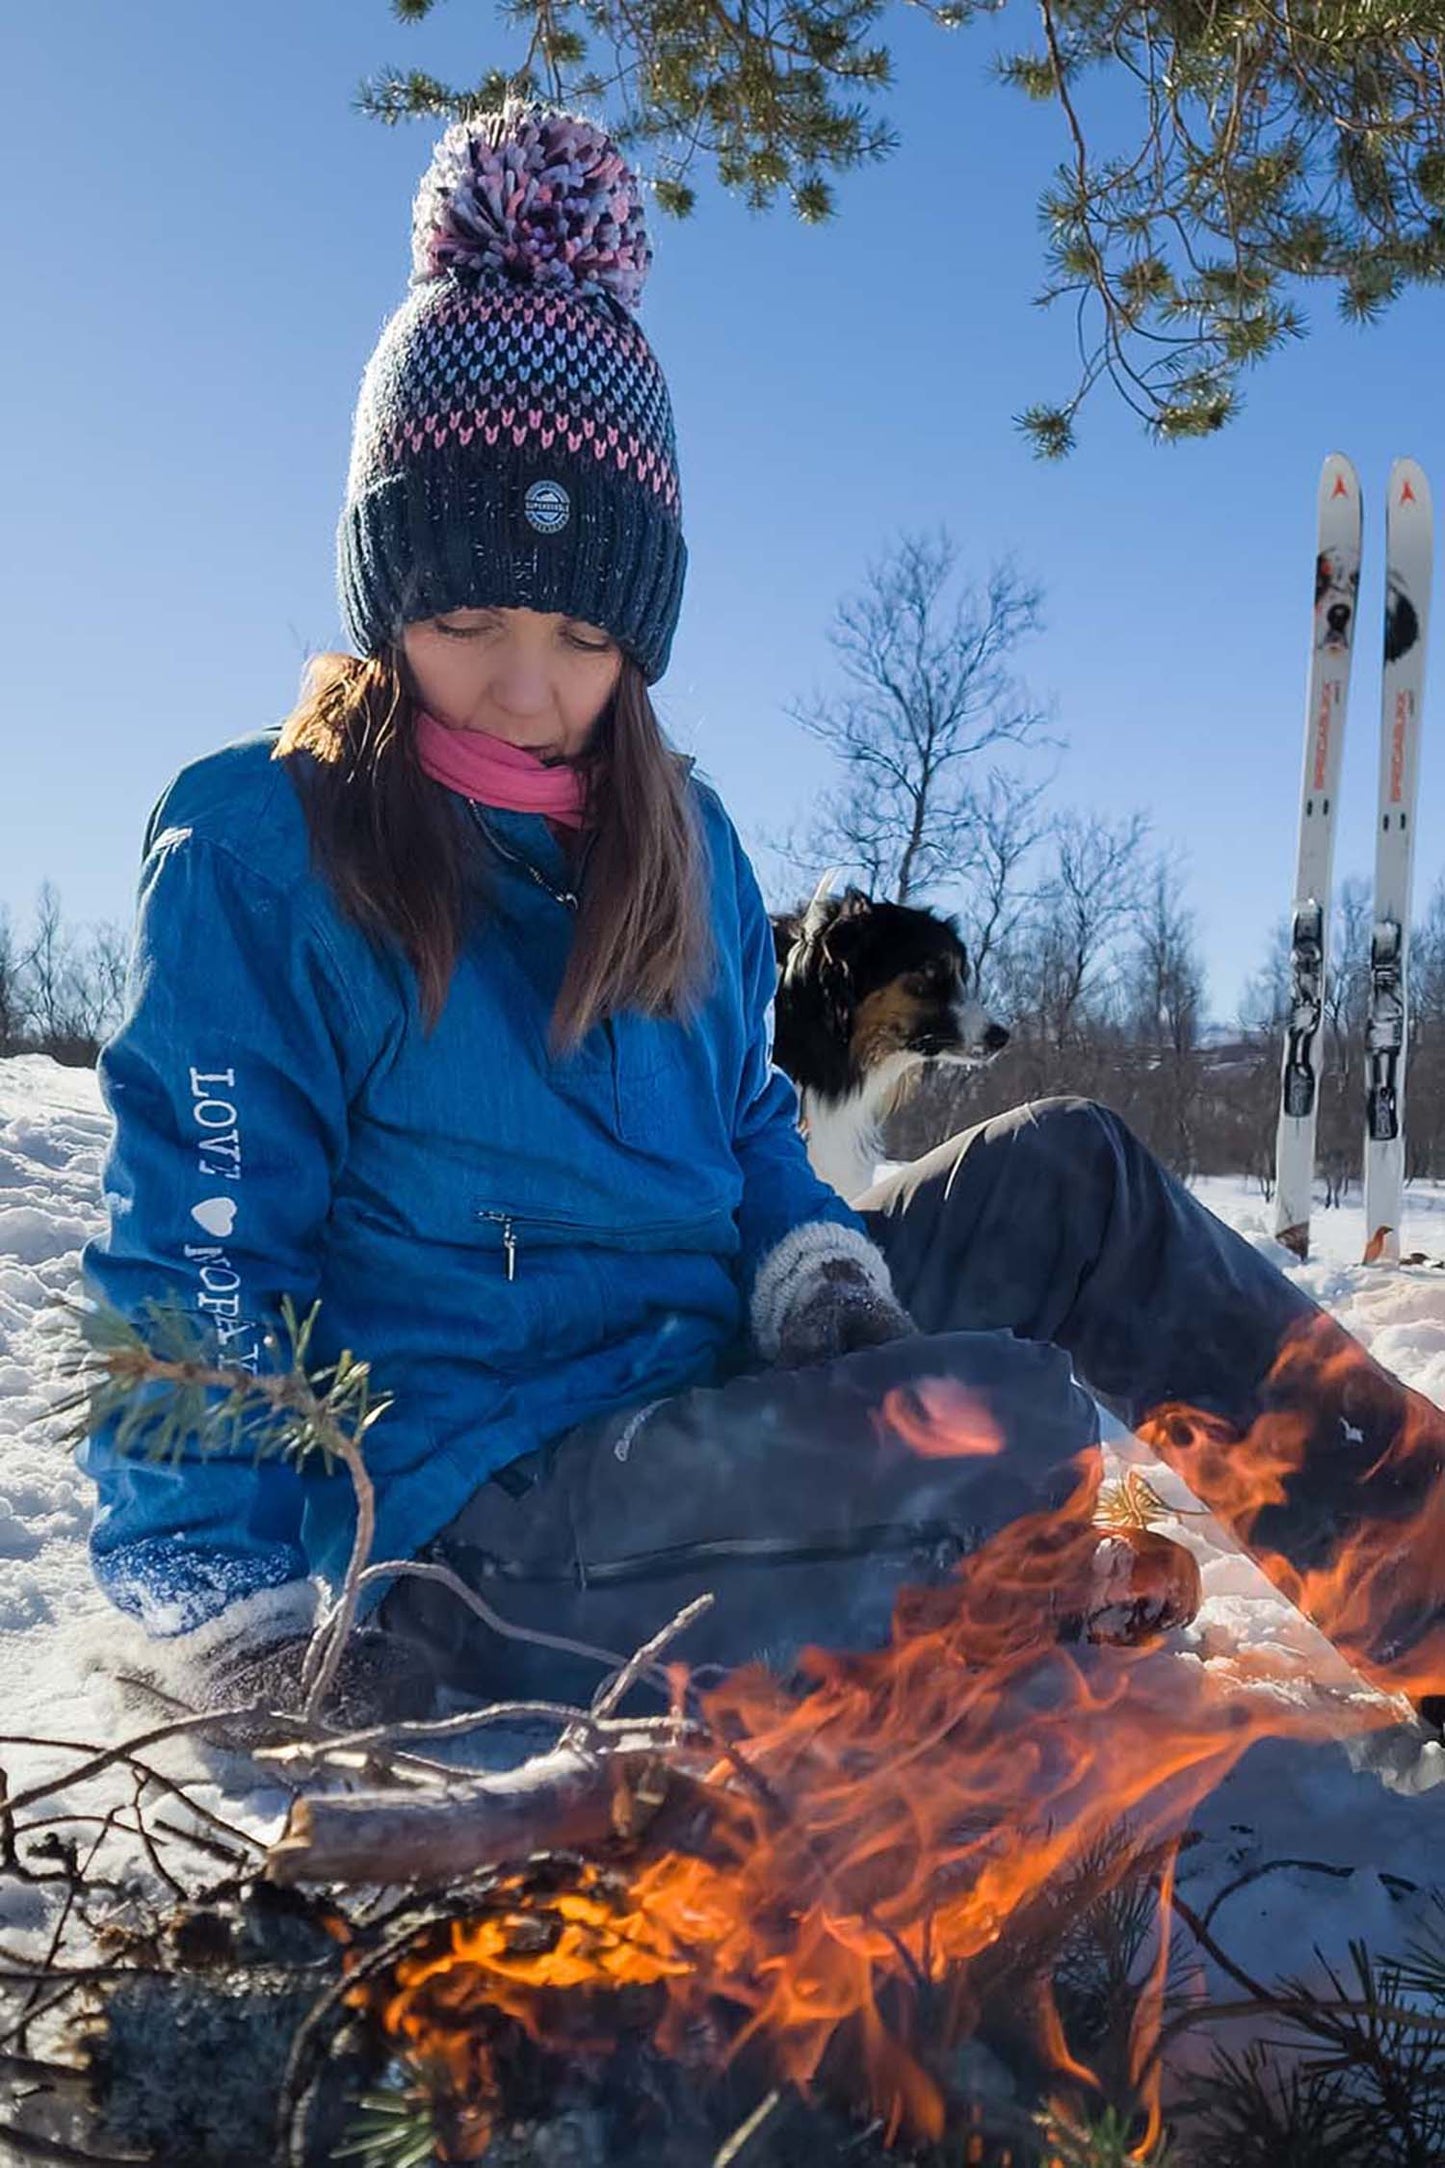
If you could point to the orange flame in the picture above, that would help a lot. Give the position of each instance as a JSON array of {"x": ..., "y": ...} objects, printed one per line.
[
  {"x": 1377, "y": 1589},
  {"x": 909, "y": 1814}
]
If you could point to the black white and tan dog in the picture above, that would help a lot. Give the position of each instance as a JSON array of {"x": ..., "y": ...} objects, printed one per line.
[
  {"x": 1337, "y": 585},
  {"x": 867, "y": 992}
]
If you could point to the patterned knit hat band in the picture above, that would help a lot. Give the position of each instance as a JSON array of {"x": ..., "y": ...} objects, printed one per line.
[{"x": 513, "y": 444}]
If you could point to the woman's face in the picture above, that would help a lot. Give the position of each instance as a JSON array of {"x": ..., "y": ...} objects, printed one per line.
[{"x": 536, "y": 680}]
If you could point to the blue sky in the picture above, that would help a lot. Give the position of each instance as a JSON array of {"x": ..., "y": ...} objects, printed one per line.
[{"x": 201, "y": 238}]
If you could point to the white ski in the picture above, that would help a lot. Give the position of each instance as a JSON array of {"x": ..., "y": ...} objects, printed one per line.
[
  {"x": 1409, "y": 553},
  {"x": 1337, "y": 582}
]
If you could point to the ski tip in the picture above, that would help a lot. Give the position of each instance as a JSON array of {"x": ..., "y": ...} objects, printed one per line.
[
  {"x": 1295, "y": 1239},
  {"x": 1383, "y": 1247},
  {"x": 1409, "y": 486},
  {"x": 1338, "y": 477}
]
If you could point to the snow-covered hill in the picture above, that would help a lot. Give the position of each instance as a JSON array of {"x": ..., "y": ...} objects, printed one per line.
[{"x": 1284, "y": 1800}]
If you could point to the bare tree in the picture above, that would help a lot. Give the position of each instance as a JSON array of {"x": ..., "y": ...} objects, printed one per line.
[
  {"x": 48, "y": 964},
  {"x": 1164, "y": 996},
  {"x": 929, "y": 688},
  {"x": 1009, "y": 827},
  {"x": 67, "y": 988},
  {"x": 14, "y": 993},
  {"x": 1091, "y": 896},
  {"x": 1265, "y": 1001},
  {"x": 1054, "y": 981},
  {"x": 98, "y": 979}
]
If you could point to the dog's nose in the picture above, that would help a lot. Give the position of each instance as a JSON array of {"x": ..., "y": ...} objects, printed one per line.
[
  {"x": 995, "y": 1039},
  {"x": 1337, "y": 617}
]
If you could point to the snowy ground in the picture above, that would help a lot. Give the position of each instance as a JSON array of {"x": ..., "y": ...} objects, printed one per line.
[{"x": 1284, "y": 1801}]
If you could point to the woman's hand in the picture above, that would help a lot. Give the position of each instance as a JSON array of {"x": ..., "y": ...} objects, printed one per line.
[
  {"x": 824, "y": 1290},
  {"x": 837, "y": 1308}
]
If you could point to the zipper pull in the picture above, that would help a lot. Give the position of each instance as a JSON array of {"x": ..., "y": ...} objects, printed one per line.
[{"x": 509, "y": 1239}]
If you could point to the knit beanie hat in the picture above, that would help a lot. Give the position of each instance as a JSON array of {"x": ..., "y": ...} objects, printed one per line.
[{"x": 513, "y": 443}]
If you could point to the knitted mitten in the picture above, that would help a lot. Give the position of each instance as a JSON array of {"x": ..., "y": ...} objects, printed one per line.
[{"x": 824, "y": 1291}]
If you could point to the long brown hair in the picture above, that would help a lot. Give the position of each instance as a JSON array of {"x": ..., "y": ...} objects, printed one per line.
[{"x": 386, "y": 838}]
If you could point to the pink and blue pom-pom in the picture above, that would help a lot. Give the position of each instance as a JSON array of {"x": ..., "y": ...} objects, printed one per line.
[{"x": 534, "y": 198}]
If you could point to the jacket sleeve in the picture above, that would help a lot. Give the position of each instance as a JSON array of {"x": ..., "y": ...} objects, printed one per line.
[
  {"x": 781, "y": 1194},
  {"x": 225, "y": 1083}
]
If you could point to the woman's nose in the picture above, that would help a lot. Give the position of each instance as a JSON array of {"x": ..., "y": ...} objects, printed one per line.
[{"x": 520, "y": 684}]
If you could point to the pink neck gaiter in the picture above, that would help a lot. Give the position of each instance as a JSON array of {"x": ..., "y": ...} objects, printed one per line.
[{"x": 481, "y": 766}]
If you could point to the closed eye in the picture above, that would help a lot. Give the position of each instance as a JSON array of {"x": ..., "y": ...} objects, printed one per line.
[{"x": 478, "y": 631}]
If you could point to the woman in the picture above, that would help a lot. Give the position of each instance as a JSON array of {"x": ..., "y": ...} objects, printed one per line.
[{"x": 450, "y": 1006}]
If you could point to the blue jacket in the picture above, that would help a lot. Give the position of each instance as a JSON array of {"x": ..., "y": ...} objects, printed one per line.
[{"x": 515, "y": 1243}]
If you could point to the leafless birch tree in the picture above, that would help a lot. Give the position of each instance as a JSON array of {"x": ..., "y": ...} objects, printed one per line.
[{"x": 929, "y": 688}]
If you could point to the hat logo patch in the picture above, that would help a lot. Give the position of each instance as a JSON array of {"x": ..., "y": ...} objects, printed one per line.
[{"x": 547, "y": 507}]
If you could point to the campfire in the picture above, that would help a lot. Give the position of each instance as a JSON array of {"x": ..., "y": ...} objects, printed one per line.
[
  {"x": 924, "y": 1896},
  {"x": 872, "y": 1862}
]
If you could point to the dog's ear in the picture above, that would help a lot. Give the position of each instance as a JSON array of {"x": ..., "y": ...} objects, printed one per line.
[
  {"x": 787, "y": 925},
  {"x": 815, "y": 1005}
]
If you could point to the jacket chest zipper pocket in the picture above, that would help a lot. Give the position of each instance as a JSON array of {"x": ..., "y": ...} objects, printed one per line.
[{"x": 510, "y": 1224}]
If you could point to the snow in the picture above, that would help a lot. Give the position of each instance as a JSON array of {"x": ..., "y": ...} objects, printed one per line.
[{"x": 1285, "y": 1801}]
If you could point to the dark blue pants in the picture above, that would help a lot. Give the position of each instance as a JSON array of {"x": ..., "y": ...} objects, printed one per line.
[{"x": 1043, "y": 1246}]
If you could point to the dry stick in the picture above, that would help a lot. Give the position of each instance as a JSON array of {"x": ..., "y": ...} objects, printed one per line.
[
  {"x": 31, "y": 2147},
  {"x": 561, "y": 1799},
  {"x": 43, "y": 2009},
  {"x": 75, "y": 1879},
  {"x": 75, "y": 1975},
  {"x": 308, "y": 1751},
  {"x": 378, "y": 1837},
  {"x": 1200, "y": 1931},
  {"x": 662, "y": 1734},
  {"x": 126, "y": 1751},
  {"x": 226, "y": 1853},
  {"x": 330, "y": 1636},
  {"x": 607, "y": 1697},
  {"x": 349, "y": 1746},
  {"x": 74, "y": 1816},
  {"x": 589, "y": 1722},
  {"x": 1397, "y": 1884},
  {"x": 23, "y": 1960},
  {"x": 176, "y": 1888},
  {"x": 743, "y": 2136},
  {"x": 163, "y": 1783},
  {"x": 9, "y": 1857},
  {"x": 426, "y": 1569}
]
